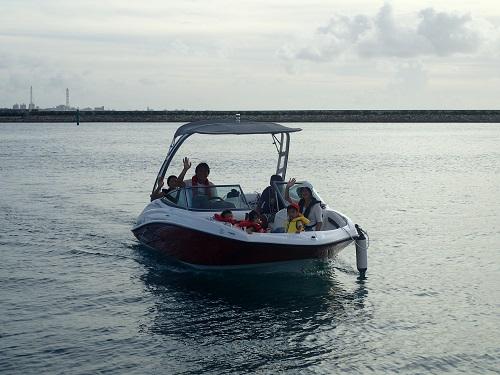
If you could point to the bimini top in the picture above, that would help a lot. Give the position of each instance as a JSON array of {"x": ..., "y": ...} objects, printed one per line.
[{"x": 232, "y": 127}]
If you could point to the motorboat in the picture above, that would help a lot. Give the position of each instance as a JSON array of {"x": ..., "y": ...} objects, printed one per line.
[{"x": 183, "y": 224}]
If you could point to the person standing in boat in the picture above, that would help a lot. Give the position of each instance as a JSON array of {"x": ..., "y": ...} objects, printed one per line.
[
  {"x": 173, "y": 182},
  {"x": 309, "y": 206},
  {"x": 203, "y": 187}
]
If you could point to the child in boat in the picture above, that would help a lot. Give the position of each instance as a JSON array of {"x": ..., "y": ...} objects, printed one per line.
[
  {"x": 225, "y": 216},
  {"x": 252, "y": 224},
  {"x": 173, "y": 182},
  {"x": 296, "y": 221}
]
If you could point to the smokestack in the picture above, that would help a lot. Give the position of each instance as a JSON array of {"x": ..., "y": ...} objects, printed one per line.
[
  {"x": 67, "y": 98},
  {"x": 31, "y": 105}
]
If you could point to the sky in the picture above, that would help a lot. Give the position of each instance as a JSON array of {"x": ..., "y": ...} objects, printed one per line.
[{"x": 251, "y": 55}]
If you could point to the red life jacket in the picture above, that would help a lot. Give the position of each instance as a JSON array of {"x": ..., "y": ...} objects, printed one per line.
[
  {"x": 206, "y": 187},
  {"x": 250, "y": 224},
  {"x": 218, "y": 217}
]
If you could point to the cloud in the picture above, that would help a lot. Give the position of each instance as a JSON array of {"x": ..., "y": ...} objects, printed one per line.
[
  {"x": 428, "y": 33},
  {"x": 345, "y": 28},
  {"x": 168, "y": 54},
  {"x": 447, "y": 33}
]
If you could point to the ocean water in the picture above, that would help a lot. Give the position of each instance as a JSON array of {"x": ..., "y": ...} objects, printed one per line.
[{"x": 79, "y": 295}]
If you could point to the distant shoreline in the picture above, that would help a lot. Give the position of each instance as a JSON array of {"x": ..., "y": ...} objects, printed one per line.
[{"x": 393, "y": 116}]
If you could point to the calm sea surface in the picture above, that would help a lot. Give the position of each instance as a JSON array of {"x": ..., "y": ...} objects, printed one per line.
[{"x": 79, "y": 295}]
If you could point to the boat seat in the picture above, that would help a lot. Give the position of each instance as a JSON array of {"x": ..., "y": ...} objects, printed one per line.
[
  {"x": 234, "y": 202},
  {"x": 279, "y": 219},
  {"x": 333, "y": 220}
]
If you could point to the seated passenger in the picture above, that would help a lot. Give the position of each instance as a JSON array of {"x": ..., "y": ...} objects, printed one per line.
[
  {"x": 268, "y": 203},
  {"x": 296, "y": 221},
  {"x": 309, "y": 206},
  {"x": 252, "y": 224},
  {"x": 173, "y": 182},
  {"x": 225, "y": 216}
]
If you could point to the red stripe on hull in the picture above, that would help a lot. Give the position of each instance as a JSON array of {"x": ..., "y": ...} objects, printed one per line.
[{"x": 204, "y": 249}]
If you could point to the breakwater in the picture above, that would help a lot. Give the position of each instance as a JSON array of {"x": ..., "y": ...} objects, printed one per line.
[{"x": 413, "y": 116}]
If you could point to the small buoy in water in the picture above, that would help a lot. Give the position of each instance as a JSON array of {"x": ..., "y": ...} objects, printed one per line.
[{"x": 361, "y": 251}]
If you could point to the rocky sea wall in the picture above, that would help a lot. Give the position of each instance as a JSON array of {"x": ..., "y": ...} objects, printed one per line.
[{"x": 413, "y": 116}]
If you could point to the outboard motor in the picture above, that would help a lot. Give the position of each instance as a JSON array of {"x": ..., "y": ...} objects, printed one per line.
[{"x": 361, "y": 251}]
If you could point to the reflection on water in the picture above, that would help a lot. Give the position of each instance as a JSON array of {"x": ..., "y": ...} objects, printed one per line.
[{"x": 294, "y": 314}]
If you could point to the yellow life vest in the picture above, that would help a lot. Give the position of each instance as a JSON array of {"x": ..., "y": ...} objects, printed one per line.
[{"x": 296, "y": 224}]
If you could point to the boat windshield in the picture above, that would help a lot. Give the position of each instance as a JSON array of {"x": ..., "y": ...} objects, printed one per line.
[{"x": 213, "y": 198}]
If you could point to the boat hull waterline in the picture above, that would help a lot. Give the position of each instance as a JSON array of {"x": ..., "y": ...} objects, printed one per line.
[{"x": 201, "y": 249}]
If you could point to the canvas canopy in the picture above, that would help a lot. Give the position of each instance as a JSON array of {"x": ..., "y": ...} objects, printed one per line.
[{"x": 232, "y": 127}]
